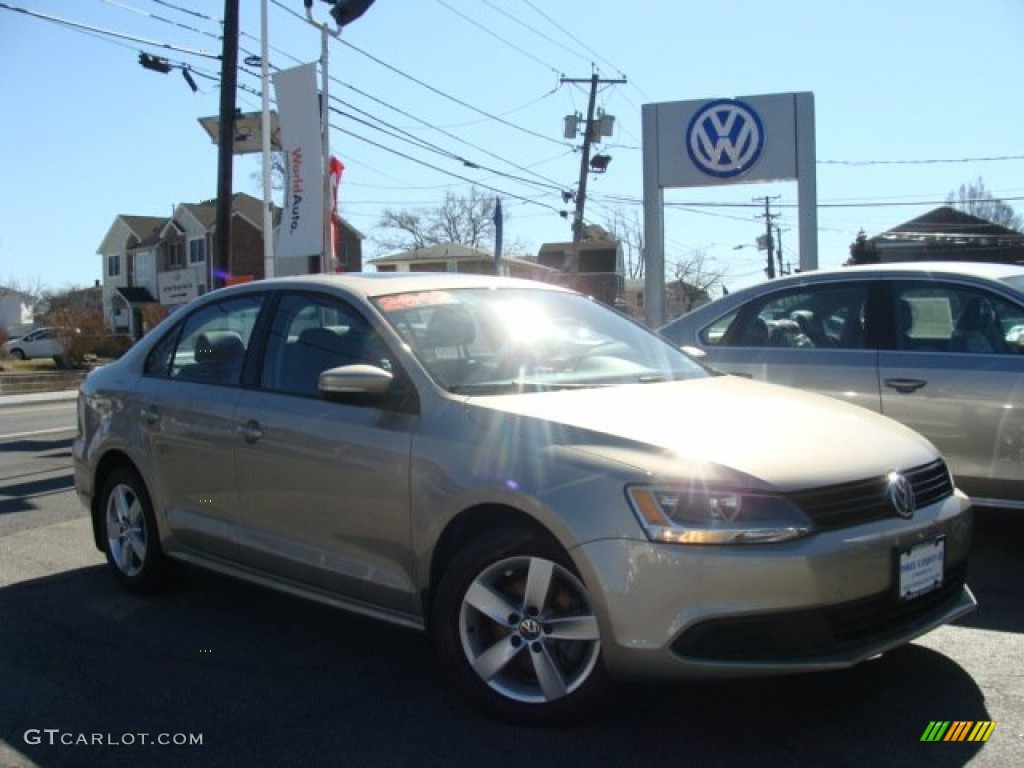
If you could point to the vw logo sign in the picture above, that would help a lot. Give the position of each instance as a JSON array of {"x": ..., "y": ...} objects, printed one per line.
[
  {"x": 899, "y": 493},
  {"x": 725, "y": 138}
]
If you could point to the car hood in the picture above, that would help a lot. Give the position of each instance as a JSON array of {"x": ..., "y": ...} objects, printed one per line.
[{"x": 783, "y": 437}]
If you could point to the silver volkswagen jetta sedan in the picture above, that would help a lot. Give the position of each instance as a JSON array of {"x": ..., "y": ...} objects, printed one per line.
[{"x": 556, "y": 494}]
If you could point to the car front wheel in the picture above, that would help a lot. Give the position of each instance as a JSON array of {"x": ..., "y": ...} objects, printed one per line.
[
  {"x": 17, "y": 354},
  {"x": 515, "y": 629},
  {"x": 130, "y": 534}
]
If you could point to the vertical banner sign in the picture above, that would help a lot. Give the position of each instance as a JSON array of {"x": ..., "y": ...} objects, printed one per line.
[
  {"x": 301, "y": 233},
  {"x": 336, "y": 169},
  {"x": 499, "y": 228}
]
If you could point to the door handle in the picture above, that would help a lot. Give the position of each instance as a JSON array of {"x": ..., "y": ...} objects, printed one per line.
[
  {"x": 151, "y": 416},
  {"x": 250, "y": 431},
  {"x": 905, "y": 386}
]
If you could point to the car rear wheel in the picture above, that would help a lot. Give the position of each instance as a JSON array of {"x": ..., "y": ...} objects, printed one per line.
[
  {"x": 132, "y": 544},
  {"x": 515, "y": 629}
]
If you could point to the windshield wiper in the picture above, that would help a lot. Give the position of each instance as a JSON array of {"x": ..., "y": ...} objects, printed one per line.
[{"x": 515, "y": 387}]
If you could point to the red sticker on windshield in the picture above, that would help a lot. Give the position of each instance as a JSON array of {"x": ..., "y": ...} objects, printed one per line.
[{"x": 413, "y": 300}]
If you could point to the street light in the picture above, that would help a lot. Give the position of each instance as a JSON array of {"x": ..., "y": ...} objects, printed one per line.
[{"x": 343, "y": 12}]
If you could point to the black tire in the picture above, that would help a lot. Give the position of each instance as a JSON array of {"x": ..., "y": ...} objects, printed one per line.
[
  {"x": 530, "y": 659},
  {"x": 129, "y": 533},
  {"x": 17, "y": 354}
]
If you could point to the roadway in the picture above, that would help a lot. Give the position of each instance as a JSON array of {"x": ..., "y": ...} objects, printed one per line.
[{"x": 264, "y": 679}]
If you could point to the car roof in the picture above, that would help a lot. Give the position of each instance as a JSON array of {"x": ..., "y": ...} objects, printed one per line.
[
  {"x": 983, "y": 270},
  {"x": 991, "y": 270},
  {"x": 371, "y": 284},
  {"x": 910, "y": 269}
]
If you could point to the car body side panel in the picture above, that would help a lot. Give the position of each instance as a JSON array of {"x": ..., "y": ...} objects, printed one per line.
[
  {"x": 972, "y": 408},
  {"x": 324, "y": 496},
  {"x": 189, "y": 431}
]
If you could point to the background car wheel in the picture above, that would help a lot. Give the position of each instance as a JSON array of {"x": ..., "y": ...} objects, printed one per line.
[
  {"x": 515, "y": 629},
  {"x": 132, "y": 544},
  {"x": 17, "y": 354}
]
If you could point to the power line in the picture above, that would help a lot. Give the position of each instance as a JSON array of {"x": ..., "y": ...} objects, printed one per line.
[
  {"x": 498, "y": 37},
  {"x": 189, "y": 11},
  {"x": 153, "y": 16},
  {"x": 997, "y": 158},
  {"x": 427, "y": 86},
  {"x": 108, "y": 32},
  {"x": 425, "y": 144},
  {"x": 441, "y": 170},
  {"x": 535, "y": 31},
  {"x": 573, "y": 37}
]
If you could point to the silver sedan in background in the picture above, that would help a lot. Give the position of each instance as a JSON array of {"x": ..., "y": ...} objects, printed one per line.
[
  {"x": 936, "y": 346},
  {"x": 556, "y": 494}
]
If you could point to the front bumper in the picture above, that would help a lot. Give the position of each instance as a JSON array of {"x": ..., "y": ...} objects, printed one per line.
[{"x": 827, "y": 601}]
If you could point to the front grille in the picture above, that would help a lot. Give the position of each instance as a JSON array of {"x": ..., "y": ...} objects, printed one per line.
[
  {"x": 847, "y": 504},
  {"x": 820, "y": 631}
]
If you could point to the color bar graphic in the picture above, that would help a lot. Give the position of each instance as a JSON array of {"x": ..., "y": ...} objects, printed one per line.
[{"x": 958, "y": 730}]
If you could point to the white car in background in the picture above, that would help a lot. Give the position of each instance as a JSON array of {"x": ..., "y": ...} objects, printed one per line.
[{"x": 40, "y": 343}]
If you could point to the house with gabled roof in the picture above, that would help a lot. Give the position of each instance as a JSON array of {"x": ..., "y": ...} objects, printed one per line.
[
  {"x": 943, "y": 234},
  {"x": 169, "y": 260},
  {"x": 456, "y": 257},
  {"x": 16, "y": 311}
]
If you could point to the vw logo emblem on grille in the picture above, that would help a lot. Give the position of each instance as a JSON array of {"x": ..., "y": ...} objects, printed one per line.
[
  {"x": 900, "y": 495},
  {"x": 725, "y": 138}
]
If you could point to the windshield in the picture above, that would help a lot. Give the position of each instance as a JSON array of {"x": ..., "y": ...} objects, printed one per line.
[{"x": 487, "y": 341}]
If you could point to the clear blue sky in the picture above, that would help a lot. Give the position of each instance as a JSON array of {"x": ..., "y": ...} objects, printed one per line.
[{"x": 910, "y": 95}]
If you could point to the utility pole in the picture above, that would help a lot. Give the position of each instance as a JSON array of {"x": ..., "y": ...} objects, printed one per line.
[
  {"x": 778, "y": 240},
  {"x": 221, "y": 262},
  {"x": 769, "y": 241},
  {"x": 589, "y": 132}
]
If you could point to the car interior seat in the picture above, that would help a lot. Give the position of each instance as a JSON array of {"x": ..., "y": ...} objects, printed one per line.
[
  {"x": 449, "y": 331},
  {"x": 218, "y": 358},
  {"x": 755, "y": 334},
  {"x": 317, "y": 350},
  {"x": 977, "y": 329}
]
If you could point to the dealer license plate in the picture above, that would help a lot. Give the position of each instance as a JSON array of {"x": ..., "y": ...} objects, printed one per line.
[{"x": 921, "y": 567}]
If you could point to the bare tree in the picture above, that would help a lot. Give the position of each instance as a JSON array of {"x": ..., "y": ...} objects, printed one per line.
[
  {"x": 467, "y": 220},
  {"x": 694, "y": 279},
  {"x": 277, "y": 173},
  {"x": 976, "y": 200},
  {"x": 628, "y": 230},
  {"x": 695, "y": 271}
]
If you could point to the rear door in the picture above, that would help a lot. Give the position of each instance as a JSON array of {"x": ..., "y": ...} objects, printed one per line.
[
  {"x": 952, "y": 370},
  {"x": 813, "y": 336},
  {"x": 185, "y": 406}
]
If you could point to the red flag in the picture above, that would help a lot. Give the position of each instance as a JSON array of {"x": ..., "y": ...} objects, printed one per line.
[{"x": 337, "y": 168}]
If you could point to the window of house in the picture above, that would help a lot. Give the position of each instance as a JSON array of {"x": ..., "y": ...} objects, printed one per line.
[
  {"x": 196, "y": 250},
  {"x": 174, "y": 259},
  {"x": 114, "y": 265},
  {"x": 143, "y": 268}
]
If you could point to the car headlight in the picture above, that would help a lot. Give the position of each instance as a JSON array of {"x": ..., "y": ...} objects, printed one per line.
[{"x": 701, "y": 515}]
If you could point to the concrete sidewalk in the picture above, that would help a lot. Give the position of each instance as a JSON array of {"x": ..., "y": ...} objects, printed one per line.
[{"x": 30, "y": 398}]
